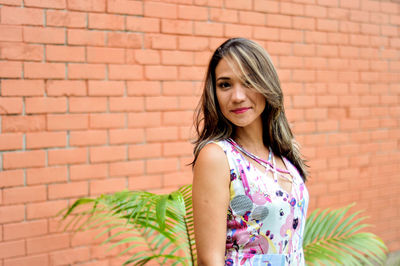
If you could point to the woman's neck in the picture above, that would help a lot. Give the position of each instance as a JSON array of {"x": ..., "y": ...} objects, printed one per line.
[{"x": 251, "y": 137}]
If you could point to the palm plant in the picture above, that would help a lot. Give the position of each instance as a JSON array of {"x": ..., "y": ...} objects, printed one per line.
[{"x": 159, "y": 228}]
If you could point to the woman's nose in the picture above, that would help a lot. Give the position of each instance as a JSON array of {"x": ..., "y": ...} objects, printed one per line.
[{"x": 239, "y": 93}]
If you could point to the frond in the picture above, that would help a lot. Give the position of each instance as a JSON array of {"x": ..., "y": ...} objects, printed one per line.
[
  {"x": 332, "y": 238},
  {"x": 152, "y": 225}
]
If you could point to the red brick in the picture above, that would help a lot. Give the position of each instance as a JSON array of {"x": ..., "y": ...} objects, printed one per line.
[
  {"x": 67, "y": 156},
  {"x": 10, "y": 141},
  {"x": 315, "y": 11},
  {"x": 69, "y": 19},
  {"x": 47, "y": 243},
  {"x": 110, "y": 120},
  {"x": 304, "y": 75},
  {"x": 106, "y": 88},
  {"x": 125, "y": 136},
  {"x": 12, "y": 249},
  {"x": 46, "y": 140},
  {"x": 161, "y": 134},
  {"x": 12, "y": 213},
  {"x": 36, "y": 260},
  {"x": 23, "y": 123},
  {"x": 177, "y": 178},
  {"x": 24, "y": 159},
  {"x": 65, "y": 53},
  {"x": 126, "y": 104},
  {"x": 24, "y": 194},
  {"x": 193, "y": 43},
  {"x": 145, "y": 182},
  {"x": 142, "y": 151},
  {"x": 191, "y": 73},
  {"x": 161, "y": 103},
  {"x": 224, "y": 15},
  {"x": 155, "y": 166},
  {"x": 191, "y": 12},
  {"x": 86, "y": 71},
  {"x": 20, "y": 51},
  {"x": 105, "y": 55},
  {"x": 161, "y": 72},
  {"x": 21, "y": 16},
  {"x": 65, "y": 88},
  {"x": 87, "y": 237},
  {"x": 267, "y": 6},
  {"x": 127, "y": 168},
  {"x": 232, "y": 30},
  {"x": 177, "y": 58},
  {"x": 46, "y": 3},
  {"x": 281, "y": 21},
  {"x": 46, "y": 175},
  {"x": 125, "y": 7},
  {"x": 176, "y": 26},
  {"x": 144, "y": 88},
  {"x": 88, "y": 138},
  {"x": 160, "y": 10},
  {"x": 37, "y": 105},
  {"x": 177, "y": 148},
  {"x": 125, "y": 72},
  {"x": 88, "y": 171},
  {"x": 327, "y": 25},
  {"x": 44, "y": 35},
  {"x": 90, "y": 5},
  {"x": 239, "y": 4},
  {"x": 287, "y": 35},
  {"x": 87, "y": 104},
  {"x": 67, "y": 190},
  {"x": 142, "y": 24},
  {"x": 146, "y": 119},
  {"x": 185, "y": 118},
  {"x": 10, "y": 69},
  {"x": 159, "y": 41},
  {"x": 124, "y": 40},
  {"x": 22, "y": 87},
  {"x": 104, "y": 186},
  {"x": 86, "y": 37},
  {"x": 279, "y": 48},
  {"x": 107, "y": 154},
  {"x": 25, "y": 230},
  {"x": 252, "y": 18},
  {"x": 208, "y": 29},
  {"x": 44, "y": 70},
  {"x": 266, "y": 33},
  {"x": 11, "y": 178},
  {"x": 291, "y": 9},
  {"x": 174, "y": 88},
  {"x": 67, "y": 122},
  {"x": 10, "y": 33},
  {"x": 144, "y": 57}
]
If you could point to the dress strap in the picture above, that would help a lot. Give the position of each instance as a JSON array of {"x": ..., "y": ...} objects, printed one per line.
[{"x": 270, "y": 164}]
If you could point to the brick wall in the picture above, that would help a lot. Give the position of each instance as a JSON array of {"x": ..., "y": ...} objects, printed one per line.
[{"x": 98, "y": 96}]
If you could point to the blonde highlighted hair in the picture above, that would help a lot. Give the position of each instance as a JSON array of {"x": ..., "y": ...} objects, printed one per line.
[{"x": 256, "y": 68}]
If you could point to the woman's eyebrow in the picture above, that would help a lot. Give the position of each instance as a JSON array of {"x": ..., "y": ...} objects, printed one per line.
[{"x": 228, "y": 78}]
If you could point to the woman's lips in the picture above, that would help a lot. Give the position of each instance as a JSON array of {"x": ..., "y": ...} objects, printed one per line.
[{"x": 240, "y": 110}]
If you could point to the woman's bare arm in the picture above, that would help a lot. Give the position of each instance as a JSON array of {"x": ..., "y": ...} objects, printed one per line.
[{"x": 210, "y": 204}]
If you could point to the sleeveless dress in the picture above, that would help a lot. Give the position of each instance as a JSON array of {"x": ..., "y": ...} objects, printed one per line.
[{"x": 265, "y": 224}]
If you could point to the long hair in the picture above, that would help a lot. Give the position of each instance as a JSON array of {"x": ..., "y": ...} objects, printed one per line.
[{"x": 256, "y": 68}]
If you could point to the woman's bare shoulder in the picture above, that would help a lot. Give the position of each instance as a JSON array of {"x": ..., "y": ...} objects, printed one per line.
[{"x": 211, "y": 159}]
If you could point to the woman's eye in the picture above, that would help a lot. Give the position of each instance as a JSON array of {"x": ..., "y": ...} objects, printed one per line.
[{"x": 224, "y": 85}]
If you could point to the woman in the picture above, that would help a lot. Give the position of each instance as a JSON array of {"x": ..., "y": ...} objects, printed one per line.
[{"x": 249, "y": 197}]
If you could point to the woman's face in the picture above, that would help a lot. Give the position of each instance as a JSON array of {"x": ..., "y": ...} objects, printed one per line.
[{"x": 239, "y": 103}]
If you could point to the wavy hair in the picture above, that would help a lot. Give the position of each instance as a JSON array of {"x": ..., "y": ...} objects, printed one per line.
[{"x": 256, "y": 68}]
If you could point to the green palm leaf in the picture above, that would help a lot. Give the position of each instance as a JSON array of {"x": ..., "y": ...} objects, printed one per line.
[
  {"x": 154, "y": 224},
  {"x": 332, "y": 238},
  {"x": 160, "y": 228}
]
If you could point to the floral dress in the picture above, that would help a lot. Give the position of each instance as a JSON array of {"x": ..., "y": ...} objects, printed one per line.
[{"x": 265, "y": 223}]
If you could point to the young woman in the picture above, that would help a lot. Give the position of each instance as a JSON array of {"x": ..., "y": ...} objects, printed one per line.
[{"x": 249, "y": 197}]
